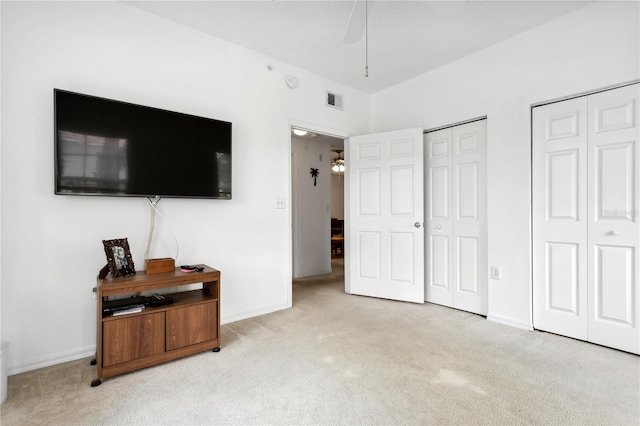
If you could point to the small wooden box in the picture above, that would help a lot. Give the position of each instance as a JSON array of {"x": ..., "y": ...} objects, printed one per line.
[{"x": 160, "y": 266}]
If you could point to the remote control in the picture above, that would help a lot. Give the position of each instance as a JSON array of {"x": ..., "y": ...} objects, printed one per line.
[
  {"x": 158, "y": 300},
  {"x": 190, "y": 268}
]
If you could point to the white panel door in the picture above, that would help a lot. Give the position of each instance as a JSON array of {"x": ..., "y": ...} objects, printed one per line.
[
  {"x": 469, "y": 208},
  {"x": 586, "y": 235},
  {"x": 614, "y": 231},
  {"x": 456, "y": 247},
  {"x": 439, "y": 226},
  {"x": 560, "y": 218},
  {"x": 385, "y": 216}
]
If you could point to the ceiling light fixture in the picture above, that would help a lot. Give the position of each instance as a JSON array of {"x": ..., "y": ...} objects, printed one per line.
[
  {"x": 337, "y": 165},
  {"x": 299, "y": 132}
]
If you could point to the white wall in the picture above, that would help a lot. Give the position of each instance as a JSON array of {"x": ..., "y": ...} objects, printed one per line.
[
  {"x": 51, "y": 245},
  {"x": 593, "y": 47},
  {"x": 7, "y": 357},
  {"x": 337, "y": 196},
  {"x": 311, "y": 208}
]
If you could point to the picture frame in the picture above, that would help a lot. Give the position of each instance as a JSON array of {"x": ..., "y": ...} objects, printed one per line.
[{"x": 119, "y": 258}]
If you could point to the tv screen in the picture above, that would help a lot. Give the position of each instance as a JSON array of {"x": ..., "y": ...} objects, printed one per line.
[{"x": 108, "y": 147}]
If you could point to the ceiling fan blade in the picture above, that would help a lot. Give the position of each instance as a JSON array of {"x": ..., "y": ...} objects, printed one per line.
[{"x": 355, "y": 28}]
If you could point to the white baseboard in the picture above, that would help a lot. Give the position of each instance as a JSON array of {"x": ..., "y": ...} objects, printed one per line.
[
  {"x": 510, "y": 322},
  {"x": 49, "y": 360},
  {"x": 89, "y": 351},
  {"x": 313, "y": 274},
  {"x": 252, "y": 313}
]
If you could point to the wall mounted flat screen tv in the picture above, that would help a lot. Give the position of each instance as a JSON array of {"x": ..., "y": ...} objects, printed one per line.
[{"x": 108, "y": 147}]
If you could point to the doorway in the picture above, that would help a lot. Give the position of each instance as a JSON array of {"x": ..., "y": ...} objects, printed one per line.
[
  {"x": 316, "y": 201},
  {"x": 337, "y": 202}
]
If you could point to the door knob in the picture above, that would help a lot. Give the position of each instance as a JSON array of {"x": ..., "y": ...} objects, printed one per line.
[
  {"x": 613, "y": 232},
  {"x": 439, "y": 227},
  {"x": 417, "y": 224}
]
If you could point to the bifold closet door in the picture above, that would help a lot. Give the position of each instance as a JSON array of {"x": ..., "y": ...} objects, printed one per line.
[
  {"x": 586, "y": 232},
  {"x": 560, "y": 218},
  {"x": 455, "y": 199},
  {"x": 614, "y": 215}
]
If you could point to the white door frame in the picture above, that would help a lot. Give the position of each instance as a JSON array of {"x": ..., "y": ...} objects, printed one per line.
[{"x": 316, "y": 128}]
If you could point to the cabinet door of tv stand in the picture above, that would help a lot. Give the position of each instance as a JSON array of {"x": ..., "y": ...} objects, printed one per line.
[
  {"x": 191, "y": 325},
  {"x": 129, "y": 339},
  {"x": 134, "y": 341}
]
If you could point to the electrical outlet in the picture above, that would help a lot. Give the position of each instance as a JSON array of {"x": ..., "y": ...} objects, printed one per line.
[
  {"x": 496, "y": 272},
  {"x": 281, "y": 203}
]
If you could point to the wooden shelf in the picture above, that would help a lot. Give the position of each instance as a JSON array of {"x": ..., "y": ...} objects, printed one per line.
[
  {"x": 179, "y": 299},
  {"x": 191, "y": 324},
  {"x": 131, "y": 284}
]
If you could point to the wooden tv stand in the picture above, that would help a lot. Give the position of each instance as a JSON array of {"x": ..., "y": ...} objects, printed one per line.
[{"x": 138, "y": 340}]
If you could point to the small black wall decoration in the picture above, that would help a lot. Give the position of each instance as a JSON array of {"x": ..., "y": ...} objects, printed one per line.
[{"x": 314, "y": 174}]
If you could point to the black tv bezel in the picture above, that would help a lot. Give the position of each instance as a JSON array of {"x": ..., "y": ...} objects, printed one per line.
[{"x": 131, "y": 195}]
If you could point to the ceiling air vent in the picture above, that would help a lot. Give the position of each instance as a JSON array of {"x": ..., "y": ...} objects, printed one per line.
[{"x": 335, "y": 101}]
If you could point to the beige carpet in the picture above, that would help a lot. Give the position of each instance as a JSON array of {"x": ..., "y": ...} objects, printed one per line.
[{"x": 340, "y": 359}]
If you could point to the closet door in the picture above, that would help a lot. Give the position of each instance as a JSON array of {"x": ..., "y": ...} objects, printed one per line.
[
  {"x": 560, "y": 218},
  {"x": 586, "y": 235},
  {"x": 614, "y": 232},
  {"x": 469, "y": 208},
  {"x": 456, "y": 252},
  {"x": 439, "y": 227}
]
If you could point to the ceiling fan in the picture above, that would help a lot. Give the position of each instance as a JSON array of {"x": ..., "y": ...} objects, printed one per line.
[
  {"x": 337, "y": 163},
  {"x": 359, "y": 21},
  {"x": 357, "y": 26}
]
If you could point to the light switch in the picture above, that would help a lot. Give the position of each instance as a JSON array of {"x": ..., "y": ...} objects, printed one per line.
[{"x": 496, "y": 273}]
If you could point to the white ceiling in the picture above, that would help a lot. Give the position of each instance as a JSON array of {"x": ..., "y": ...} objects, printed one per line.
[
  {"x": 334, "y": 142},
  {"x": 405, "y": 38}
]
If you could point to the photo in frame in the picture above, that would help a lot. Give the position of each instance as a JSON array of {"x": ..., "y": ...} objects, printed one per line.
[{"x": 119, "y": 258}]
